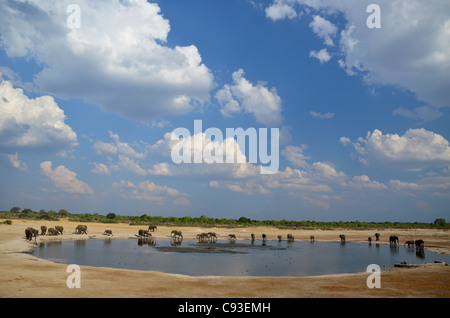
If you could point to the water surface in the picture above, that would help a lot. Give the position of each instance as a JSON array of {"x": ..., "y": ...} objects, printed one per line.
[{"x": 241, "y": 258}]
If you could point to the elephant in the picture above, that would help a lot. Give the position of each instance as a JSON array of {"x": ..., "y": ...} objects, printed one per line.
[
  {"x": 81, "y": 229},
  {"x": 252, "y": 236},
  {"x": 107, "y": 232},
  {"x": 409, "y": 243},
  {"x": 264, "y": 237},
  {"x": 175, "y": 234},
  {"x": 144, "y": 233},
  {"x": 212, "y": 236},
  {"x": 419, "y": 244},
  {"x": 60, "y": 229},
  {"x": 290, "y": 237},
  {"x": 52, "y": 231},
  {"x": 377, "y": 237},
  {"x": 279, "y": 237},
  {"x": 232, "y": 237},
  {"x": 312, "y": 238},
  {"x": 342, "y": 237},
  {"x": 393, "y": 240},
  {"x": 30, "y": 232},
  {"x": 152, "y": 228},
  {"x": 201, "y": 237},
  {"x": 43, "y": 230},
  {"x": 369, "y": 239}
]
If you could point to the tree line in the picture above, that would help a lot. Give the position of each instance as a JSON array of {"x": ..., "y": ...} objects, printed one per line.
[
  {"x": 205, "y": 221},
  {"x": 144, "y": 219}
]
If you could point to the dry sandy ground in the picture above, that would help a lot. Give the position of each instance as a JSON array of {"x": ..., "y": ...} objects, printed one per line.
[{"x": 23, "y": 275}]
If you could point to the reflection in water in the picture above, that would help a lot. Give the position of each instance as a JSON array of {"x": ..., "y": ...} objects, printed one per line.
[
  {"x": 176, "y": 241},
  {"x": 49, "y": 244},
  {"x": 206, "y": 242},
  {"x": 148, "y": 240},
  {"x": 242, "y": 257},
  {"x": 394, "y": 249},
  {"x": 79, "y": 243},
  {"x": 420, "y": 253}
]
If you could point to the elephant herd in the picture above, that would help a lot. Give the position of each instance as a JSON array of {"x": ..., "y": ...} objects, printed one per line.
[
  {"x": 82, "y": 229},
  {"x": 146, "y": 237},
  {"x": 146, "y": 233},
  {"x": 206, "y": 236},
  {"x": 52, "y": 231},
  {"x": 419, "y": 244},
  {"x": 57, "y": 230},
  {"x": 394, "y": 242}
]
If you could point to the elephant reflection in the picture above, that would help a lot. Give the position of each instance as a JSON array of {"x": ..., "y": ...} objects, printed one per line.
[
  {"x": 150, "y": 241},
  {"x": 420, "y": 251},
  {"x": 176, "y": 240}
]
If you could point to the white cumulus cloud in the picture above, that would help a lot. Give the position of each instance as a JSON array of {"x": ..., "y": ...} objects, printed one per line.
[
  {"x": 324, "y": 29},
  {"x": 147, "y": 191},
  {"x": 280, "y": 10},
  {"x": 100, "y": 168},
  {"x": 117, "y": 59},
  {"x": 244, "y": 96},
  {"x": 125, "y": 156},
  {"x": 423, "y": 113},
  {"x": 323, "y": 56},
  {"x": 410, "y": 50},
  {"x": 16, "y": 163},
  {"x": 295, "y": 155},
  {"x": 213, "y": 155},
  {"x": 36, "y": 125},
  {"x": 64, "y": 179},
  {"x": 416, "y": 147}
]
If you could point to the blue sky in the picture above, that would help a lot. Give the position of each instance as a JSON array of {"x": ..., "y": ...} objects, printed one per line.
[{"x": 87, "y": 112}]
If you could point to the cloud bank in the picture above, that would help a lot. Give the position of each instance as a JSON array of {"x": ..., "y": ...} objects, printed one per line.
[
  {"x": 64, "y": 179},
  {"x": 118, "y": 58},
  {"x": 411, "y": 49},
  {"x": 415, "y": 148},
  {"x": 36, "y": 125}
]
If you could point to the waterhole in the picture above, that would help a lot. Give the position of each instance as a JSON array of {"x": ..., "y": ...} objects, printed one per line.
[{"x": 240, "y": 258}]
